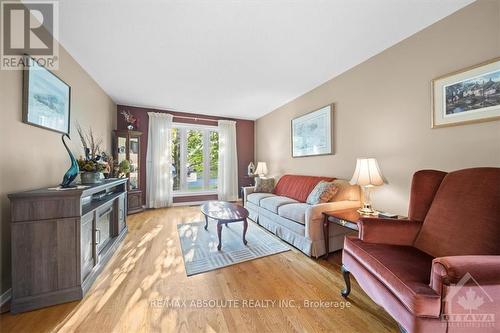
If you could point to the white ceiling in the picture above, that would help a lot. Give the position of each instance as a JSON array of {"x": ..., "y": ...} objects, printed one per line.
[{"x": 232, "y": 58}]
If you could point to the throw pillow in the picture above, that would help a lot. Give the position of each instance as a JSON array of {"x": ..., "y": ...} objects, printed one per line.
[
  {"x": 322, "y": 192},
  {"x": 264, "y": 185}
]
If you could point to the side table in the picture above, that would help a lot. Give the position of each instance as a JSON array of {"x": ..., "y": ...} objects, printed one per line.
[{"x": 348, "y": 218}]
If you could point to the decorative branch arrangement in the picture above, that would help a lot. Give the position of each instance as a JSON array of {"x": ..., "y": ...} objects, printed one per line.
[
  {"x": 95, "y": 159},
  {"x": 91, "y": 145}
]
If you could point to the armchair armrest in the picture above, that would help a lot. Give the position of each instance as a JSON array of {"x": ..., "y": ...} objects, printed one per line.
[
  {"x": 485, "y": 269},
  {"x": 388, "y": 231},
  {"x": 246, "y": 191}
]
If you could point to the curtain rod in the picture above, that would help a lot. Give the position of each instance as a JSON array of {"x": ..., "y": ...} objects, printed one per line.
[{"x": 195, "y": 118}]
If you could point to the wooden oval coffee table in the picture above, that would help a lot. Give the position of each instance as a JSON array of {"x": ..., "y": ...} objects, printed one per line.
[{"x": 224, "y": 213}]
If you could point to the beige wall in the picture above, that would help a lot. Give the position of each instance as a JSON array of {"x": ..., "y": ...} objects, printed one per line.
[
  {"x": 382, "y": 110},
  {"x": 33, "y": 157}
]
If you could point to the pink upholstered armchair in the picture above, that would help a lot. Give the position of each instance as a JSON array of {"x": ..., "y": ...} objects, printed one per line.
[{"x": 439, "y": 271}]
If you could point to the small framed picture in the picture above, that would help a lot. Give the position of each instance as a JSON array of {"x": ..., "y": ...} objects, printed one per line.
[
  {"x": 312, "y": 133},
  {"x": 468, "y": 96},
  {"x": 46, "y": 98}
]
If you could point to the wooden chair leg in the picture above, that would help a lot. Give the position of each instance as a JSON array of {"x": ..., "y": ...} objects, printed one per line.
[
  {"x": 347, "y": 290},
  {"x": 219, "y": 235},
  {"x": 245, "y": 227}
]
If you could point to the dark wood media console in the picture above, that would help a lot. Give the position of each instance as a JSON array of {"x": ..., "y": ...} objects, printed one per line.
[{"x": 61, "y": 240}]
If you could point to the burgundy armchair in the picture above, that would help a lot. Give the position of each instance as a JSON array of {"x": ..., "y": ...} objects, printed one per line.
[{"x": 439, "y": 271}]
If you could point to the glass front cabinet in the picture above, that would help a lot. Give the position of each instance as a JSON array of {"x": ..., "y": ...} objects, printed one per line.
[{"x": 127, "y": 146}]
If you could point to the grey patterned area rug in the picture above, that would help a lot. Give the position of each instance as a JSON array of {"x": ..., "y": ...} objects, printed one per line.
[{"x": 199, "y": 246}]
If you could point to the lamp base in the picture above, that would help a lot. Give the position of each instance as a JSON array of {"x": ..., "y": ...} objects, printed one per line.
[{"x": 367, "y": 210}]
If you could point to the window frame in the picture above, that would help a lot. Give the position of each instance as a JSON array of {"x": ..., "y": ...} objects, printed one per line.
[{"x": 206, "y": 129}]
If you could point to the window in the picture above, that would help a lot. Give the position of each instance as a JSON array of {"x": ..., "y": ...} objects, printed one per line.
[{"x": 195, "y": 158}]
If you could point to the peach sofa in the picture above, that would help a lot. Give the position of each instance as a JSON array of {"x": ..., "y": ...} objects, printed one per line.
[{"x": 285, "y": 213}]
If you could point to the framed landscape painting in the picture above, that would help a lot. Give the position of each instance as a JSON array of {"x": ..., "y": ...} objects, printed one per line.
[
  {"x": 46, "y": 98},
  {"x": 312, "y": 133},
  {"x": 468, "y": 96}
]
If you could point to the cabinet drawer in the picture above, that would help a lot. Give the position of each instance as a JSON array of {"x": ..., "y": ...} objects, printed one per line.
[{"x": 45, "y": 209}]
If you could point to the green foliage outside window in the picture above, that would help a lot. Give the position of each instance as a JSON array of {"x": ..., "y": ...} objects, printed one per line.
[
  {"x": 214, "y": 154},
  {"x": 195, "y": 151},
  {"x": 194, "y": 156},
  {"x": 176, "y": 158}
]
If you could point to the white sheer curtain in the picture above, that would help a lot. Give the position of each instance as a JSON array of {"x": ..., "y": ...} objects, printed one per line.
[
  {"x": 228, "y": 161},
  {"x": 159, "y": 161}
]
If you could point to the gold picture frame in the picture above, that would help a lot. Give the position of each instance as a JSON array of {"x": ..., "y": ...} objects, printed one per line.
[{"x": 470, "y": 95}]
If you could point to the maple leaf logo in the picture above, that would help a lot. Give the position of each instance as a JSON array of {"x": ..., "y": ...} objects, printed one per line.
[{"x": 470, "y": 301}]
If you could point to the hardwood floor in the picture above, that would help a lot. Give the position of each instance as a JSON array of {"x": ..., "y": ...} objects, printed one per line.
[{"x": 149, "y": 268}]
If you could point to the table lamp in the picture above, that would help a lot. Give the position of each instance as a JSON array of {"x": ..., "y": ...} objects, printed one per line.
[
  {"x": 367, "y": 175},
  {"x": 261, "y": 169}
]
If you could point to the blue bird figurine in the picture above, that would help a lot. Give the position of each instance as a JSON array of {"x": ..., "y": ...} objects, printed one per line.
[{"x": 72, "y": 172}]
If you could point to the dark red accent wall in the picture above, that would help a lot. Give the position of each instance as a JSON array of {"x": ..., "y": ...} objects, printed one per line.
[{"x": 244, "y": 142}]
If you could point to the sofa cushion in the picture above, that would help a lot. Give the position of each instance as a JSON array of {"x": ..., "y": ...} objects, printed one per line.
[
  {"x": 294, "y": 211},
  {"x": 283, "y": 223},
  {"x": 404, "y": 270},
  {"x": 273, "y": 203},
  {"x": 255, "y": 198},
  {"x": 298, "y": 187}
]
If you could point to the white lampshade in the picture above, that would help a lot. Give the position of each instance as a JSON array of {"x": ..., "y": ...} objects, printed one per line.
[
  {"x": 367, "y": 173},
  {"x": 261, "y": 169}
]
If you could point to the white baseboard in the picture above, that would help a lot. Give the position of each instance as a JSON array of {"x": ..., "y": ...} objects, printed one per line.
[
  {"x": 5, "y": 297},
  {"x": 191, "y": 203},
  {"x": 197, "y": 203}
]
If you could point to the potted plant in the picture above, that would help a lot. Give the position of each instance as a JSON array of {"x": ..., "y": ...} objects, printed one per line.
[
  {"x": 91, "y": 171},
  {"x": 94, "y": 163},
  {"x": 124, "y": 168}
]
